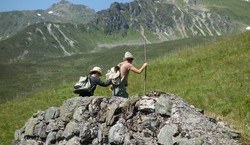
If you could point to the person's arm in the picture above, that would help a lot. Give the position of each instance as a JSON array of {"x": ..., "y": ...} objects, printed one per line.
[
  {"x": 103, "y": 84},
  {"x": 138, "y": 71}
]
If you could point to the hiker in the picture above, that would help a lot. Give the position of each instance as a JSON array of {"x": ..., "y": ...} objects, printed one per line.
[
  {"x": 95, "y": 75},
  {"x": 125, "y": 67}
]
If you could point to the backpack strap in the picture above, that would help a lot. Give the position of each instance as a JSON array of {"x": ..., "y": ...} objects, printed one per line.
[
  {"x": 120, "y": 65},
  {"x": 92, "y": 86}
]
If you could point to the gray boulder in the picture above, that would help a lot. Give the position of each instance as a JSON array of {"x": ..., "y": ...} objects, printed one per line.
[
  {"x": 154, "y": 119},
  {"x": 117, "y": 133}
]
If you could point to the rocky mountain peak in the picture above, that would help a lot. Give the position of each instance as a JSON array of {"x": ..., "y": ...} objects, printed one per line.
[
  {"x": 168, "y": 20},
  {"x": 63, "y": 1},
  {"x": 115, "y": 6},
  {"x": 66, "y": 7},
  {"x": 157, "y": 118}
]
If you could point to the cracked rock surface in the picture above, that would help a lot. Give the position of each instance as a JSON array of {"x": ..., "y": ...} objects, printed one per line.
[{"x": 154, "y": 119}]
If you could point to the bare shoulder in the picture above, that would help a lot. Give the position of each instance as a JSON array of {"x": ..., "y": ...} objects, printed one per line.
[{"x": 127, "y": 65}]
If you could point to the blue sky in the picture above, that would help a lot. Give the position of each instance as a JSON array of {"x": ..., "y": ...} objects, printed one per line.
[{"x": 10, "y": 5}]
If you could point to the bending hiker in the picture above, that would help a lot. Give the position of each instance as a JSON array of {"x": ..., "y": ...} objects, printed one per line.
[
  {"x": 95, "y": 74},
  {"x": 125, "y": 67}
]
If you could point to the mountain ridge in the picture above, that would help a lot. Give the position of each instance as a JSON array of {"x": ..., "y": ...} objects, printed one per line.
[
  {"x": 152, "y": 21},
  {"x": 63, "y": 11},
  {"x": 166, "y": 20}
]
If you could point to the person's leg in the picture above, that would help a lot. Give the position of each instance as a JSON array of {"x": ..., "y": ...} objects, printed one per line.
[
  {"x": 124, "y": 93},
  {"x": 120, "y": 90}
]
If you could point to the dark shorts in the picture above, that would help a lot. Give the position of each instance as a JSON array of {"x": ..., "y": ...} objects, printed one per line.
[{"x": 120, "y": 90}]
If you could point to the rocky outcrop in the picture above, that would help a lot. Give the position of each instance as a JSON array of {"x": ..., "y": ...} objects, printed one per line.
[{"x": 157, "y": 118}]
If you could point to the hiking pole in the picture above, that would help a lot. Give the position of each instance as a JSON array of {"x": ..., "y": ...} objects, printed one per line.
[{"x": 145, "y": 59}]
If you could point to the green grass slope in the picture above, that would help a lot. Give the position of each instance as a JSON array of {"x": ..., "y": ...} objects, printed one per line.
[
  {"x": 213, "y": 77},
  {"x": 27, "y": 77},
  {"x": 238, "y": 10}
]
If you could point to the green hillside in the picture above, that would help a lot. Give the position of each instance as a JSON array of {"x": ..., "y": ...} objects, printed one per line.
[
  {"x": 214, "y": 77},
  {"x": 238, "y": 10},
  {"x": 41, "y": 74}
]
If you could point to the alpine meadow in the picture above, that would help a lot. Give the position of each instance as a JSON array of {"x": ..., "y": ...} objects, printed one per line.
[{"x": 196, "y": 49}]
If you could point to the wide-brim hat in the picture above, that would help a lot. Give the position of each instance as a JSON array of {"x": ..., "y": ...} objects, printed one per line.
[
  {"x": 96, "y": 69},
  {"x": 128, "y": 55}
]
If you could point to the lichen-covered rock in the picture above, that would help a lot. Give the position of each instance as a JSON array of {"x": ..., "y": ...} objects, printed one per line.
[
  {"x": 154, "y": 119},
  {"x": 117, "y": 133},
  {"x": 163, "y": 106},
  {"x": 50, "y": 114},
  {"x": 30, "y": 125},
  {"x": 167, "y": 133}
]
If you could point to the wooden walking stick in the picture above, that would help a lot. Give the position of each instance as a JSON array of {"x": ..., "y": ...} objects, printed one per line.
[{"x": 145, "y": 59}]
